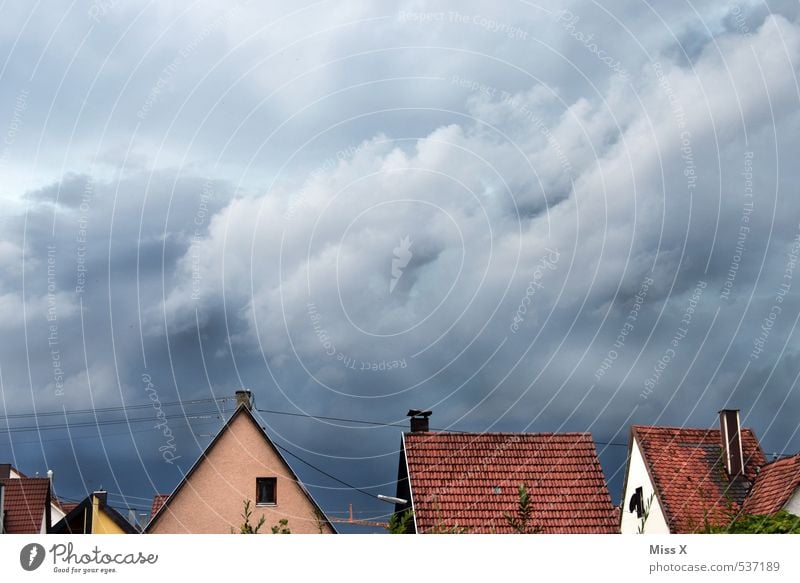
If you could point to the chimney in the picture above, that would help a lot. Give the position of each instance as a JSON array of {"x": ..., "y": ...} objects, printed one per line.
[
  {"x": 419, "y": 420},
  {"x": 244, "y": 397},
  {"x": 730, "y": 434},
  {"x": 5, "y": 470},
  {"x": 101, "y": 495}
]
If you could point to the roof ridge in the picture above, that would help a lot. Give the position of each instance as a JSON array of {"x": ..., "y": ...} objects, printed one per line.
[
  {"x": 676, "y": 428},
  {"x": 478, "y": 434},
  {"x": 789, "y": 459}
]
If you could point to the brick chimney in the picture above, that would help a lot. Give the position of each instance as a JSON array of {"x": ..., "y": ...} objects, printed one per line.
[
  {"x": 244, "y": 397},
  {"x": 419, "y": 420},
  {"x": 730, "y": 435},
  {"x": 101, "y": 495},
  {"x": 5, "y": 471}
]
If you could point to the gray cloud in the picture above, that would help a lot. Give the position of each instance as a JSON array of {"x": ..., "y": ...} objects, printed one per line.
[{"x": 239, "y": 196}]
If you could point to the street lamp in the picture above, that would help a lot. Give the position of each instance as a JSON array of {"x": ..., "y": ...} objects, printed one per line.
[{"x": 392, "y": 499}]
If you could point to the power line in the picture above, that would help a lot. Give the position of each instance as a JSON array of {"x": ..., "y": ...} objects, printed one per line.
[
  {"x": 323, "y": 472},
  {"x": 106, "y": 409},
  {"x": 215, "y": 414},
  {"x": 105, "y": 422},
  {"x": 344, "y": 420}
]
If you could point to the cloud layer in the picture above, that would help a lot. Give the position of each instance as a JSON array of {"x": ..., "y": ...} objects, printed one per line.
[{"x": 561, "y": 218}]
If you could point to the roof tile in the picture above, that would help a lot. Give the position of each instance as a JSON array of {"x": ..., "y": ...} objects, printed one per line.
[
  {"x": 775, "y": 484},
  {"x": 686, "y": 467},
  {"x": 470, "y": 481},
  {"x": 25, "y": 501}
]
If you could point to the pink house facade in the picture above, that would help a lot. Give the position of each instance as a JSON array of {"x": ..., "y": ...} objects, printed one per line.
[{"x": 240, "y": 464}]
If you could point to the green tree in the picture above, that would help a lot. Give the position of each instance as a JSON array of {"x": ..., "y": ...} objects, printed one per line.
[
  {"x": 400, "y": 522},
  {"x": 282, "y": 527},
  {"x": 522, "y": 521},
  {"x": 782, "y": 522},
  {"x": 645, "y": 513},
  {"x": 246, "y": 527}
]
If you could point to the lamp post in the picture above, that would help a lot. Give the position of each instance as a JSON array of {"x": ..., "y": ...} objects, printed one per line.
[{"x": 392, "y": 499}]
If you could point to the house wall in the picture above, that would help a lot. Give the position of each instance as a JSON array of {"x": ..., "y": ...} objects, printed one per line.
[
  {"x": 56, "y": 514},
  {"x": 211, "y": 501},
  {"x": 793, "y": 505},
  {"x": 101, "y": 522},
  {"x": 639, "y": 478}
]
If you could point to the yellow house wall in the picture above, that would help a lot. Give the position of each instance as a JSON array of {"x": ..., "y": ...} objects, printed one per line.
[{"x": 101, "y": 523}]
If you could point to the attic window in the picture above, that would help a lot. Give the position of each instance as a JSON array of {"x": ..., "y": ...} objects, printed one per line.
[
  {"x": 636, "y": 503},
  {"x": 266, "y": 491}
]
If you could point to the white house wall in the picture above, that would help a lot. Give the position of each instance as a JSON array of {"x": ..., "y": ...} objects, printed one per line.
[
  {"x": 793, "y": 505},
  {"x": 639, "y": 478},
  {"x": 56, "y": 514}
]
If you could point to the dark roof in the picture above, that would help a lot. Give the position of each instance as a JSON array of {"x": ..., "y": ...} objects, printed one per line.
[
  {"x": 27, "y": 504},
  {"x": 470, "y": 481},
  {"x": 75, "y": 522},
  {"x": 240, "y": 410},
  {"x": 775, "y": 484},
  {"x": 687, "y": 471},
  {"x": 158, "y": 502}
]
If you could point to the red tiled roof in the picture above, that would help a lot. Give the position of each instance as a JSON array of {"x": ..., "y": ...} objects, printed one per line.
[
  {"x": 158, "y": 502},
  {"x": 470, "y": 481},
  {"x": 25, "y": 503},
  {"x": 68, "y": 507},
  {"x": 775, "y": 484},
  {"x": 689, "y": 475}
]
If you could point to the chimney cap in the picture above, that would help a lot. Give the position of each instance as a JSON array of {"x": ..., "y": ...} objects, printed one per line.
[
  {"x": 244, "y": 397},
  {"x": 419, "y": 413}
]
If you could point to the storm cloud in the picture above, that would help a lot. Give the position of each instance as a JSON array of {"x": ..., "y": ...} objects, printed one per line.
[{"x": 523, "y": 218}]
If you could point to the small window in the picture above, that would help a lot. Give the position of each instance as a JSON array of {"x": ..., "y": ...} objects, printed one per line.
[
  {"x": 266, "y": 491},
  {"x": 636, "y": 503}
]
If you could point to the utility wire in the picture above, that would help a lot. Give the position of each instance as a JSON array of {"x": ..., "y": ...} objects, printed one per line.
[
  {"x": 103, "y": 423},
  {"x": 216, "y": 413},
  {"x": 106, "y": 409},
  {"x": 324, "y": 473}
]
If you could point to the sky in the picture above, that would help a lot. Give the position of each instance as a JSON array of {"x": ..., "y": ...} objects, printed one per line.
[{"x": 522, "y": 216}]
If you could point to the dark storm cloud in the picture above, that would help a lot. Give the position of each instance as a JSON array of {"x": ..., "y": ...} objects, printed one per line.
[{"x": 352, "y": 229}]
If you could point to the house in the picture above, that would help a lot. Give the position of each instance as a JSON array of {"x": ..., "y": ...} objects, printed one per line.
[
  {"x": 93, "y": 515},
  {"x": 57, "y": 507},
  {"x": 680, "y": 479},
  {"x": 24, "y": 505},
  {"x": 158, "y": 502},
  {"x": 777, "y": 487},
  {"x": 240, "y": 464},
  {"x": 470, "y": 482}
]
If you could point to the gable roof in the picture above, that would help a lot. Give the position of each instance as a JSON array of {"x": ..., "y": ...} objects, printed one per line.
[
  {"x": 158, "y": 502},
  {"x": 26, "y": 502},
  {"x": 67, "y": 507},
  {"x": 470, "y": 481},
  {"x": 775, "y": 484},
  {"x": 241, "y": 410},
  {"x": 65, "y": 525},
  {"x": 687, "y": 471}
]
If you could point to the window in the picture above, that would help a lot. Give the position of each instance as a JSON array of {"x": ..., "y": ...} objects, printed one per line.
[
  {"x": 266, "y": 491},
  {"x": 636, "y": 503}
]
